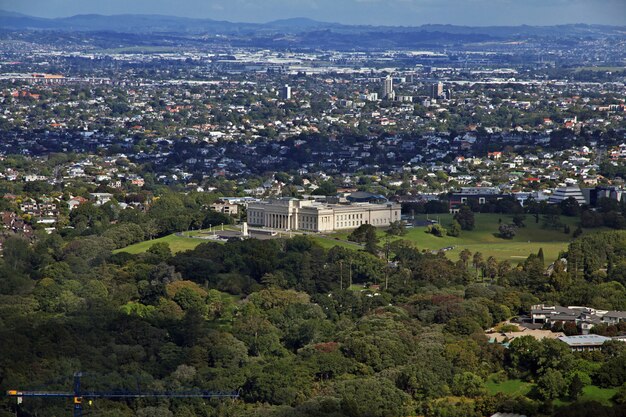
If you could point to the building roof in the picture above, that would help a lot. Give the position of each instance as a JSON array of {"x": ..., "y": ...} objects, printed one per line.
[
  {"x": 584, "y": 340},
  {"x": 553, "y": 310},
  {"x": 363, "y": 196},
  {"x": 508, "y": 415},
  {"x": 616, "y": 314}
]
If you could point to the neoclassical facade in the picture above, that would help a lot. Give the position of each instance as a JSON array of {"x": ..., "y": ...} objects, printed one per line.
[{"x": 312, "y": 216}]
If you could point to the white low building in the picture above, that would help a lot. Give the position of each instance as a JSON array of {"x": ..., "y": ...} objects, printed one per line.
[{"x": 313, "y": 216}]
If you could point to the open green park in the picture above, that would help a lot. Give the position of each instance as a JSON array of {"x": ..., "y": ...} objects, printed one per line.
[
  {"x": 519, "y": 388},
  {"x": 484, "y": 238},
  {"x": 178, "y": 242}
]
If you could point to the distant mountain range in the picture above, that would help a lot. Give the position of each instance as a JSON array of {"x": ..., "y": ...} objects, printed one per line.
[{"x": 145, "y": 24}]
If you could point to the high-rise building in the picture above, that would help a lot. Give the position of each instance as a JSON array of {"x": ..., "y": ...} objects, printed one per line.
[
  {"x": 388, "y": 93},
  {"x": 436, "y": 90},
  {"x": 285, "y": 92}
]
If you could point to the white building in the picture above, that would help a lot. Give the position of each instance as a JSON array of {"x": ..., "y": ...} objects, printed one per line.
[
  {"x": 285, "y": 92},
  {"x": 313, "y": 216},
  {"x": 563, "y": 193},
  {"x": 100, "y": 198},
  {"x": 387, "y": 92}
]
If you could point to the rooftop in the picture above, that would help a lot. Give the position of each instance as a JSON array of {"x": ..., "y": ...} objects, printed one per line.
[{"x": 584, "y": 340}]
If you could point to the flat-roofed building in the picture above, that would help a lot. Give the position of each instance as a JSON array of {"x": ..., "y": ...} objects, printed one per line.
[
  {"x": 475, "y": 195},
  {"x": 314, "y": 216},
  {"x": 225, "y": 207},
  {"x": 584, "y": 343}
]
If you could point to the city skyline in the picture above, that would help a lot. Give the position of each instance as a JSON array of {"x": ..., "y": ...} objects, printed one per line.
[{"x": 368, "y": 12}]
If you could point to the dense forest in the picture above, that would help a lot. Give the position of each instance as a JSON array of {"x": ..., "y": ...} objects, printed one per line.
[{"x": 298, "y": 329}]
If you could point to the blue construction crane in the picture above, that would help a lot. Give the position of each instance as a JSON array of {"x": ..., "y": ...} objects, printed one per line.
[{"x": 78, "y": 395}]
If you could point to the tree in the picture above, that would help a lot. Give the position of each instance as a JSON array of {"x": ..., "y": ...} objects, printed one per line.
[
  {"x": 575, "y": 387},
  {"x": 161, "y": 250},
  {"x": 491, "y": 268},
  {"x": 551, "y": 385},
  {"x": 465, "y": 217},
  {"x": 540, "y": 256},
  {"x": 468, "y": 384},
  {"x": 363, "y": 233},
  {"x": 396, "y": 228},
  {"x": 371, "y": 245},
  {"x": 17, "y": 254},
  {"x": 437, "y": 230},
  {"x": 477, "y": 260},
  {"x": 551, "y": 218},
  {"x": 124, "y": 234},
  {"x": 620, "y": 395},
  {"x": 507, "y": 231},
  {"x": 374, "y": 397},
  {"x": 518, "y": 220},
  {"x": 154, "y": 412},
  {"x": 326, "y": 188},
  {"x": 570, "y": 207},
  {"x": 455, "y": 229},
  {"x": 577, "y": 232},
  {"x": 464, "y": 256}
]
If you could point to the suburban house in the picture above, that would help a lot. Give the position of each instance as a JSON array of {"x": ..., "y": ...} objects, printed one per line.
[{"x": 585, "y": 318}]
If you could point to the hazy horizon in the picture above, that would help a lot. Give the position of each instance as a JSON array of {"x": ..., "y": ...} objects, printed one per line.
[{"x": 366, "y": 12}]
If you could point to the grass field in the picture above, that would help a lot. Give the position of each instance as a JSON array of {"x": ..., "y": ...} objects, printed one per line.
[
  {"x": 329, "y": 242},
  {"x": 516, "y": 387},
  {"x": 177, "y": 244},
  {"x": 484, "y": 238},
  {"x": 513, "y": 387},
  {"x": 602, "y": 395}
]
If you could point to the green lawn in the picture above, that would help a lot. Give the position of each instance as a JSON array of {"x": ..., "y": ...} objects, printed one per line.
[
  {"x": 602, "y": 395},
  {"x": 330, "y": 242},
  {"x": 177, "y": 244},
  {"x": 484, "y": 238},
  {"x": 514, "y": 387},
  {"x": 593, "y": 393}
]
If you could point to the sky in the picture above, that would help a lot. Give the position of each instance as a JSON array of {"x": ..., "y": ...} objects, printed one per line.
[{"x": 372, "y": 12}]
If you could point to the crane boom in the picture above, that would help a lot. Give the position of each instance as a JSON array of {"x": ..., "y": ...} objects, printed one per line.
[{"x": 78, "y": 394}]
